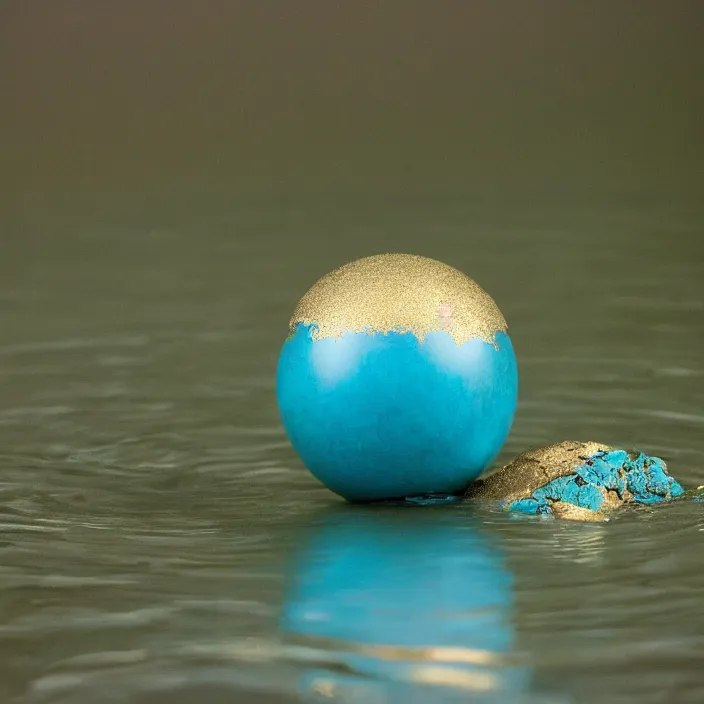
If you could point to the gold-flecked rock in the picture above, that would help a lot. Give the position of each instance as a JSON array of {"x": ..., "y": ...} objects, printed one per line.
[
  {"x": 570, "y": 512},
  {"x": 533, "y": 469},
  {"x": 582, "y": 481},
  {"x": 399, "y": 293}
]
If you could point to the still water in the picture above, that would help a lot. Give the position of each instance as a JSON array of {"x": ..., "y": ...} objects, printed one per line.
[
  {"x": 161, "y": 541},
  {"x": 174, "y": 176}
]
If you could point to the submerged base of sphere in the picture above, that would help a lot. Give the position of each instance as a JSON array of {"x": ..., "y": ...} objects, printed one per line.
[{"x": 382, "y": 415}]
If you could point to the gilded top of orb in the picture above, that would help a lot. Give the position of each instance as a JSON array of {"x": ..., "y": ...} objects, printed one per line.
[
  {"x": 399, "y": 293},
  {"x": 533, "y": 469}
]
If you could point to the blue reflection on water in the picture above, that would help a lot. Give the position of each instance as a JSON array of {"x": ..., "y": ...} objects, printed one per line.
[{"x": 402, "y": 605}]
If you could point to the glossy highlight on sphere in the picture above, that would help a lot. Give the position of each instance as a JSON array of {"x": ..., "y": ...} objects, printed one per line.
[{"x": 419, "y": 400}]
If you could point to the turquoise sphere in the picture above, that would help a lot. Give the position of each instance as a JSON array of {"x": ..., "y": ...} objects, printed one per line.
[{"x": 398, "y": 379}]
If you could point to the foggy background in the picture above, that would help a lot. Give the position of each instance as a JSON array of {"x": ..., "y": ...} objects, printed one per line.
[{"x": 144, "y": 106}]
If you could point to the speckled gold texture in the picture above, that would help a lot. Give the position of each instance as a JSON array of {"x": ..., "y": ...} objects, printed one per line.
[
  {"x": 399, "y": 293},
  {"x": 570, "y": 512},
  {"x": 533, "y": 469}
]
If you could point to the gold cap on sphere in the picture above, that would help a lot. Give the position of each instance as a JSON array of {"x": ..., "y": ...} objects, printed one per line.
[{"x": 399, "y": 293}]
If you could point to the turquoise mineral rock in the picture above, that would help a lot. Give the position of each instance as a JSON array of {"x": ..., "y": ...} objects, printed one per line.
[{"x": 578, "y": 480}]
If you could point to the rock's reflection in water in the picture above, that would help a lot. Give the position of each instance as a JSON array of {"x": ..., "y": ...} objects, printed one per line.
[{"x": 402, "y": 605}]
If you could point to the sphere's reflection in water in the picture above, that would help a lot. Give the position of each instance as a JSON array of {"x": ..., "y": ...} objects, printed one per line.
[{"x": 402, "y": 605}]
